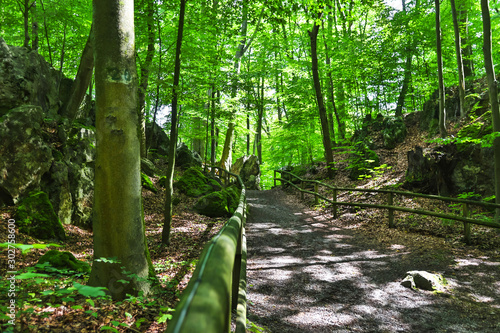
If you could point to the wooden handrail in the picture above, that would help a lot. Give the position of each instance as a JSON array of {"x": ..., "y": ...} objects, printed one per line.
[
  {"x": 391, "y": 207},
  {"x": 206, "y": 303}
]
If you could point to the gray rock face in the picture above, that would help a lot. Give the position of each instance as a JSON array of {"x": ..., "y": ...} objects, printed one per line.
[
  {"x": 157, "y": 139},
  {"x": 39, "y": 151},
  {"x": 185, "y": 158},
  {"x": 26, "y": 157},
  {"x": 27, "y": 79},
  {"x": 446, "y": 170},
  {"x": 248, "y": 168},
  {"x": 148, "y": 167}
]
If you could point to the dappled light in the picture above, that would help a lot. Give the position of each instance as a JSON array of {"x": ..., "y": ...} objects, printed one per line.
[{"x": 327, "y": 277}]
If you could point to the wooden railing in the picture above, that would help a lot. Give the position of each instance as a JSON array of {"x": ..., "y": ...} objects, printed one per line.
[
  {"x": 465, "y": 218},
  {"x": 218, "y": 284}
]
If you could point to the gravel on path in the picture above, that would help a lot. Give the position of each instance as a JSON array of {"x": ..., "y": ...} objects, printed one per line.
[{"x": 308, "y": 273}]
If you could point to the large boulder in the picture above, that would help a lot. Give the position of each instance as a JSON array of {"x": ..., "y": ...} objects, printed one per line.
[
  {"x": 26, "y": 156},
  {"x": 194, "y": 183},
  {"x": 219, "y": 203},
  {"x": 248, "y": 168},
  {"x": 186, "y": 158},
  {"x": 157, "y": 139},
  {"x": 70, "y": 181},
  {"x": 449, "y": 170},
  {"x": 27, "y": 79},
  {"x": 36, "y": 217}
]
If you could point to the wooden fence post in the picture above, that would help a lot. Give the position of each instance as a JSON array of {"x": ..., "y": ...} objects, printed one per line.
[
  {"x": 316, "y": 198},
  {"x": 274, "y": 178},
  {"x": 390, "y": 202},
  {"x": 335, "y": 205},
  {"x": 465, "y": 211}
]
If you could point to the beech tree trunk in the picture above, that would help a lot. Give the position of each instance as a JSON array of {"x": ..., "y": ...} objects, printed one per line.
[
  {"x": 118, "y": 223},
  {"x": 34, "y": 27},
  {"x": 460, "y": 65},
  {"x": 327, "y": 143},
  {"x": 442, "y": 111},
  {"x": 165, "y": 237},
  {"x": 82, "y": 80},
  {"x": 144, "y": 82},
  {"x": 493, "y": 90}
]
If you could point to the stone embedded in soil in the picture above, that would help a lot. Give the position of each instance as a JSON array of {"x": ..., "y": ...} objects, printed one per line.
[{"x": 423, "y": 280}]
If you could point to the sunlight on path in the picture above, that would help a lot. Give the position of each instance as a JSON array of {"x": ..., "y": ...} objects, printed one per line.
[{"x": 307, "y": 275}]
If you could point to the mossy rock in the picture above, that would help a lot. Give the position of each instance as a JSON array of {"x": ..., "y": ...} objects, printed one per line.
[
  {"x": 64, "y": 261},
  {"x": 194, "y": 183},
  {"x": 147, "y": 183},
  {"x": 394, "y": 132},
  {"x": 35, "y": 216},
  {"x": 214, "y": 204},
  {"x": 232, "y": 194},
  {"x": 219, "y": 203}
]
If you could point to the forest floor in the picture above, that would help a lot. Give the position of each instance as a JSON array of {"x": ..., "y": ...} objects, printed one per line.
[
  {"x": 43, "y": 306},
  {"x": 310, "y": 272}
]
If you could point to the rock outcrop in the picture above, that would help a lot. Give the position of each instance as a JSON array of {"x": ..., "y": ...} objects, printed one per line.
[
  {"x": 27, "y": 79},
  {"x": 26, "y": 156},
  {"x": 248, "y": 168},
  {"x": 447, "y": 170},
  {"x": 186, "y": 158},
  {"x": 40, "y": 150}
]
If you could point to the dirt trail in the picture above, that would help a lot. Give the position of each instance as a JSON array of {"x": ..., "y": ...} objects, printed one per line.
[{"x": 310, "y": 274}]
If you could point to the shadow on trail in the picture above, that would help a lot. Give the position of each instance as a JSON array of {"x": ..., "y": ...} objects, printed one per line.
[{"x": 305, "y": 274}]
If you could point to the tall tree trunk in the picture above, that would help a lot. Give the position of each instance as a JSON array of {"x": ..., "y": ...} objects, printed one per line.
[
  {"x": 493, "y": 90},
  {"x": 460, "y": 66},
  {"x": 442, "y": 111},
  {"x": 327, "y": 144},
  {"x": 34, "y": 28},
  {"x": 46, "y": 33},
  {"x": 144, "y": 81},
  {"x": 118, "y": 223},
  {"x": 25, "y": 9},
  {"x": 260, "y": 116},
  {"x": 82, "y": 80},
  {"x": 464, "y": 39},
  {"x": 213, "y": 143},
  {"x": 157, "y": 99},
  {"x": 226, "y": 157},
  {"x": 331, "y": 94},
  {"x": 165, "y": 238}
]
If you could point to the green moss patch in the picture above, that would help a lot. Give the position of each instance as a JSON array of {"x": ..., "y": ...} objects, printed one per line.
[
  {"x": 219, "y": 203},
  {"x": 147, "y": 183},
  {"x": 36, "y": 217},
  {"x": 64, "y": 261},
  {"x": 194, "y": 183}
]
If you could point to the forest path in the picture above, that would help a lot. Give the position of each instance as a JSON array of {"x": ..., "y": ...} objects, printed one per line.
[{"x": 309, "y": 273}]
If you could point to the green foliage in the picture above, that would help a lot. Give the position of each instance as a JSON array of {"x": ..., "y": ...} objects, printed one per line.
[
  {"x": 361, "y": 160},
  {"x": 25, "y": 248}
]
